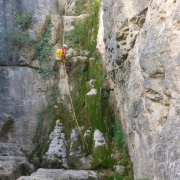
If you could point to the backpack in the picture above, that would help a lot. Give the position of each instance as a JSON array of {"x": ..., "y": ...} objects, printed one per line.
[{"x": 59, "y": 54}]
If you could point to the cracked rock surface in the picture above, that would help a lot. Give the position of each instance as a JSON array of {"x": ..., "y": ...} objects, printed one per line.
[{"x": 141, "y": 39}]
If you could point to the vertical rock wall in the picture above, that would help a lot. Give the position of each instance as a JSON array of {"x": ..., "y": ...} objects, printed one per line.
[
  {"x": 142, "y": 58},
  {"x": 23, "y": 90},
  {"x": 39, "y": 8}
]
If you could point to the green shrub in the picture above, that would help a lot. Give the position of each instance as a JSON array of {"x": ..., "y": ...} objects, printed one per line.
[
  {"x": 24, "y": 21},
  {"x": 46, "y": 73},
  {"x": 80, "y": 5},
  {"x": 85, "y": 32},
  {"x": 18, "y": 38},
  {"x": 119, "y": 135},
  {"x": 43, "y": 49},
  {"x": 78, "y": 35},
  {"x": 46, "y": 120}
]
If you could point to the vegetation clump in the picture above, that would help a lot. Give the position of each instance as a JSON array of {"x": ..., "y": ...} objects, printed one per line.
[
  {"x": 24, "y": 20},
  {"x": 80, "y": 5},
  {"x": 18, "y": 37},
  {"x": 85, "y": 31},
  {"x": 46, "y": 120},
  {"x": 43, "y": 49}
]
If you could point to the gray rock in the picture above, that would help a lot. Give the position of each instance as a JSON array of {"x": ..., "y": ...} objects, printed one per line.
[
  {"x": 76, "y": 149},
  {"x": 9, "y": 149},
  {"x": 22, "y": 93},
  {"x": 60, "y": 174},
  {"x": 142, "y": 60},
  {"x": 39, "y": 10},
  {"x": 12, "y": 167},
  {"x": 99, "y": 139},
  {"x": 56, "y": 156}
]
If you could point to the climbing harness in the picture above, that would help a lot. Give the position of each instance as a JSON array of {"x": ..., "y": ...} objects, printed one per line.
[{"x": 73, "y": 110}]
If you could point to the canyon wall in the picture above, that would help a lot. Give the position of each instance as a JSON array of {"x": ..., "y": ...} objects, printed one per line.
[
  {"x": 139, "y": 44},
  {"x": 142, "y": 59},
  {"x": 23, "y": 90},
  {"x": 42, "y": 125}
]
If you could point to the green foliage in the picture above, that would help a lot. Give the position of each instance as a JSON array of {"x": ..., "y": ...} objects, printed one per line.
[
  {"x": 101, "y": 157},
  {"x": 24, "y": 21},
  {"x": 47, "y": 73},
  {"x": 92, "y": 109},
  {"x": 78, "y": 35},
  {"x": 80, "y": 5},
  {"x": 93, "y": 112},
  {"x": 122, "y": 176},
  {"x": 46, "y": 119},
  {"x": 94, "y": 24},
  {"x": 124, "y": 161},
  {"x": 18, "y": 38},
  {"x": 123, "y": 158},
  {"x": 43, "y": 49},
  {"x": 85, "y": 32},
  {"x": 119, "y": 135}
]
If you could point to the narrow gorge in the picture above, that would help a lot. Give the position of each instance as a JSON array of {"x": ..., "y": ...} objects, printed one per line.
[{"x": 112, "y": 113}]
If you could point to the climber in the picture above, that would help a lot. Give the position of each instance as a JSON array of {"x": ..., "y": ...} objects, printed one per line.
[{"x": 61, "y": 54}]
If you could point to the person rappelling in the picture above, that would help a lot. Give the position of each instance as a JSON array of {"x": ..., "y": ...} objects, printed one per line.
[
  {"x": 60, "y": 57},
  {"x": 61, "y": 54}
]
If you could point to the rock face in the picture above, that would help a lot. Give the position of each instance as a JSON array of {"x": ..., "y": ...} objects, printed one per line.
[
  {"x": 13, "y": 167},
  {"x": 40, "y": 10},
  {"x": 56, "y": 156},
  {"x": 23, "y": 91},
  {"x": 139, "y": 43},
  {"x": 13, "y": 162},
  {"x": 142, "y": 57},
  {"x": 59, "y": 174}
]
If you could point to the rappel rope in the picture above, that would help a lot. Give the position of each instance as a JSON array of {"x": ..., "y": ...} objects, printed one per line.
[
  {"x": 74, "y": 114},
  {"x": 72, "y": 106}
]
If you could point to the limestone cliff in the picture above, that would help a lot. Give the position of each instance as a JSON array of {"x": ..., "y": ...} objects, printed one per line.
[
  {"x": 142, "y": 57},
  {"x": 23, "y": 90}
]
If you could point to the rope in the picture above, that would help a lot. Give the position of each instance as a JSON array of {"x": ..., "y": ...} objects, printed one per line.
[
  {"x": 63, "y": 22},
  {"x": 74, "y": 114}
]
